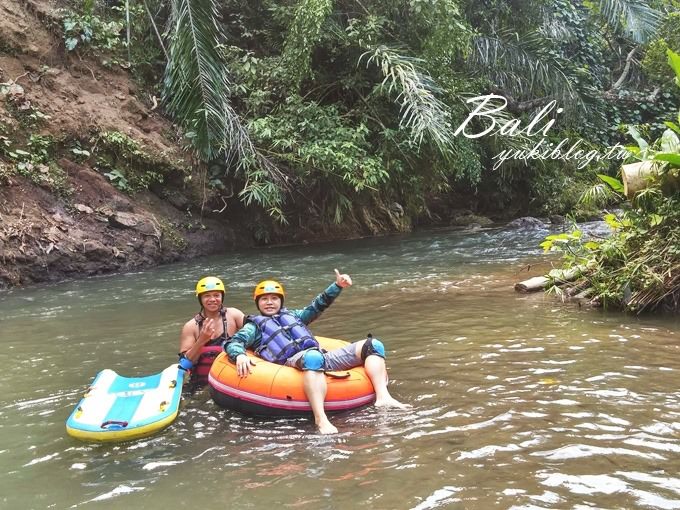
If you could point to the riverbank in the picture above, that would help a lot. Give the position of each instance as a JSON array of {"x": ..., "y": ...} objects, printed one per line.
[
  {"x": 62, "y": 118},
  {"x": 95, "y": 180}
]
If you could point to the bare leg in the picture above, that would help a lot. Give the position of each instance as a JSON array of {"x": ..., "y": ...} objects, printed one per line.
[
  {"x": 315, "y": 389},
  {"x": 377, "y": 373}
]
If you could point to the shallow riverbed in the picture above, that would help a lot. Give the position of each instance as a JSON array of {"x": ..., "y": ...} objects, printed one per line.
[{"x": 518, "y": 401}]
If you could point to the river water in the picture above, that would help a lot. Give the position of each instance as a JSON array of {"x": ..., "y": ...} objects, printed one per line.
[{"x": 519, "y": 401}]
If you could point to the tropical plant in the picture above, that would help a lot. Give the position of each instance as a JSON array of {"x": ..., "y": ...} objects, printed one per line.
[
  {"x": 197, "y": 86},
  {"x": 357, "y": 103},
  {"x": 638, "y": 267},
  {"x": 197, "y": 93},
  {"x": 421, "y": 112}
]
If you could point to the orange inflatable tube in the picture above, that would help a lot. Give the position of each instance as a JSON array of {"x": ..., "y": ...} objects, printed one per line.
[{"x": 276, "y": 390}]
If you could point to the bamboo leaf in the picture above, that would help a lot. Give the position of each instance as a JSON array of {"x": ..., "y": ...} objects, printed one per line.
[{"x": 613, "y": 183}]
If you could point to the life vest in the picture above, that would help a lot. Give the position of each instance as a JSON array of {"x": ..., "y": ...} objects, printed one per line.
[
  {"x": 283, "y": 335},
  {"x": 201, "y": 369}
]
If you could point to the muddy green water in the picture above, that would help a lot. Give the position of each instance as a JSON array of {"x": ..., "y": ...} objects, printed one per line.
[{"x": 518, "y": 401}]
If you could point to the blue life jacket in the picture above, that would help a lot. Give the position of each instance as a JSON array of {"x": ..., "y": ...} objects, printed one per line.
[{"x": 283, "y": 335}]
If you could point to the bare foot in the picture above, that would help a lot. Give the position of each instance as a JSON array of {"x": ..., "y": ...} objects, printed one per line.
[
  {"x": 326, "y": 427},
  {"x": 391, "y": 402}
]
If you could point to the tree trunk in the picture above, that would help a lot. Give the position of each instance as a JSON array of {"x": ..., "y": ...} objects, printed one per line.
[
  {"x": 532, "y": 284},
  {"x": 560, "y": 276}
]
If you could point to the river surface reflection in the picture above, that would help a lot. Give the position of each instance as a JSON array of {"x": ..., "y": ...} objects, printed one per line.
[{"x": 518, "y": 401}]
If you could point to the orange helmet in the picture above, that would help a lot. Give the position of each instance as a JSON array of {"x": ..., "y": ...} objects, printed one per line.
[{"x": 268, "y": 287}]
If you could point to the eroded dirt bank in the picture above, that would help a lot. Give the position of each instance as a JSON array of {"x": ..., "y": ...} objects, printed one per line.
[{"x": 60, "y": 216}]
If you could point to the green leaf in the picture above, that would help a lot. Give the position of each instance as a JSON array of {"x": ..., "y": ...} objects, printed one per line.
[
  {"x": 656, "y": 219},
  {"x": 674, "y": 62},
  {"x": 669, "y": 142},
  {"x": 613, "y": 183},
  {"x": 558, "y": 237},
  {"x": 672, "y": 126},
  {"x": 591, "y": 245},
  {"x": 612, "y": 221},
  {"x": 71, "y": 43},
  {"x": 672, "y": 158}
]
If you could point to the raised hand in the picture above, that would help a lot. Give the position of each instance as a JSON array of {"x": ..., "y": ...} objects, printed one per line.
[
  {"x": 207, "y": 332},
  {"x": 343, "y": 280}
]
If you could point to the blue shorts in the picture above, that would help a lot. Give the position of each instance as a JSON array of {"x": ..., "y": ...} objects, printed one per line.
[{"x": 343, "y": 358}]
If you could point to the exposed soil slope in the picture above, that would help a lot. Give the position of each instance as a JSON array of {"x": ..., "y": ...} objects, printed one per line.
[{"x": 96, "y": 228}]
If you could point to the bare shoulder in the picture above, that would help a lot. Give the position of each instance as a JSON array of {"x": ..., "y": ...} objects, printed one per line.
[
  {"x": 189, "y": 325},
  {"x": 188, "y": 335},
  {"x": 237, "y": 315},
  {"x": 189, "y": 331}
]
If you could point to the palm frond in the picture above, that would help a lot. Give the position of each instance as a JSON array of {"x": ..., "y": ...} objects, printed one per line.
[
  {"x": 196, "y": 92},
  {"x": 598, "y": 195},
  {"x": 196, "y": 84},
  {"x": 421, "y": 111},
  {"x": 523, "y": 66},
  {"x": 632, "y": 18},
  {"x": 262, "y": 190}
]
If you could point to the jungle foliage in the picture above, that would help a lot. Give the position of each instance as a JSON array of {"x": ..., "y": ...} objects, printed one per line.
[
  {"x": 312, "y": 107},
  {"x": 637, "y": 268}
]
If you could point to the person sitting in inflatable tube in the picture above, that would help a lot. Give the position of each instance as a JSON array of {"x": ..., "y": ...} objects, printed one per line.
[
  {"x": 202, "y": 337},
  {"x": 281, "y": 336}
]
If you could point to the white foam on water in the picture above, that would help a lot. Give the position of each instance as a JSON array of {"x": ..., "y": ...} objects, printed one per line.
[
  {"x": 582, "y": 451},
  {"x": 438, "y": 498},
  {"x": 487, "y": 451},
  {"x": 41, "y": 459},
  {"x": 585, "y": 484}
]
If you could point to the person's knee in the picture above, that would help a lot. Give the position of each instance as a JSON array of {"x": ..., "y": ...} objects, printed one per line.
[
  {"x": 372, "y": 346},
  {"x": 312, "y": 360}
]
